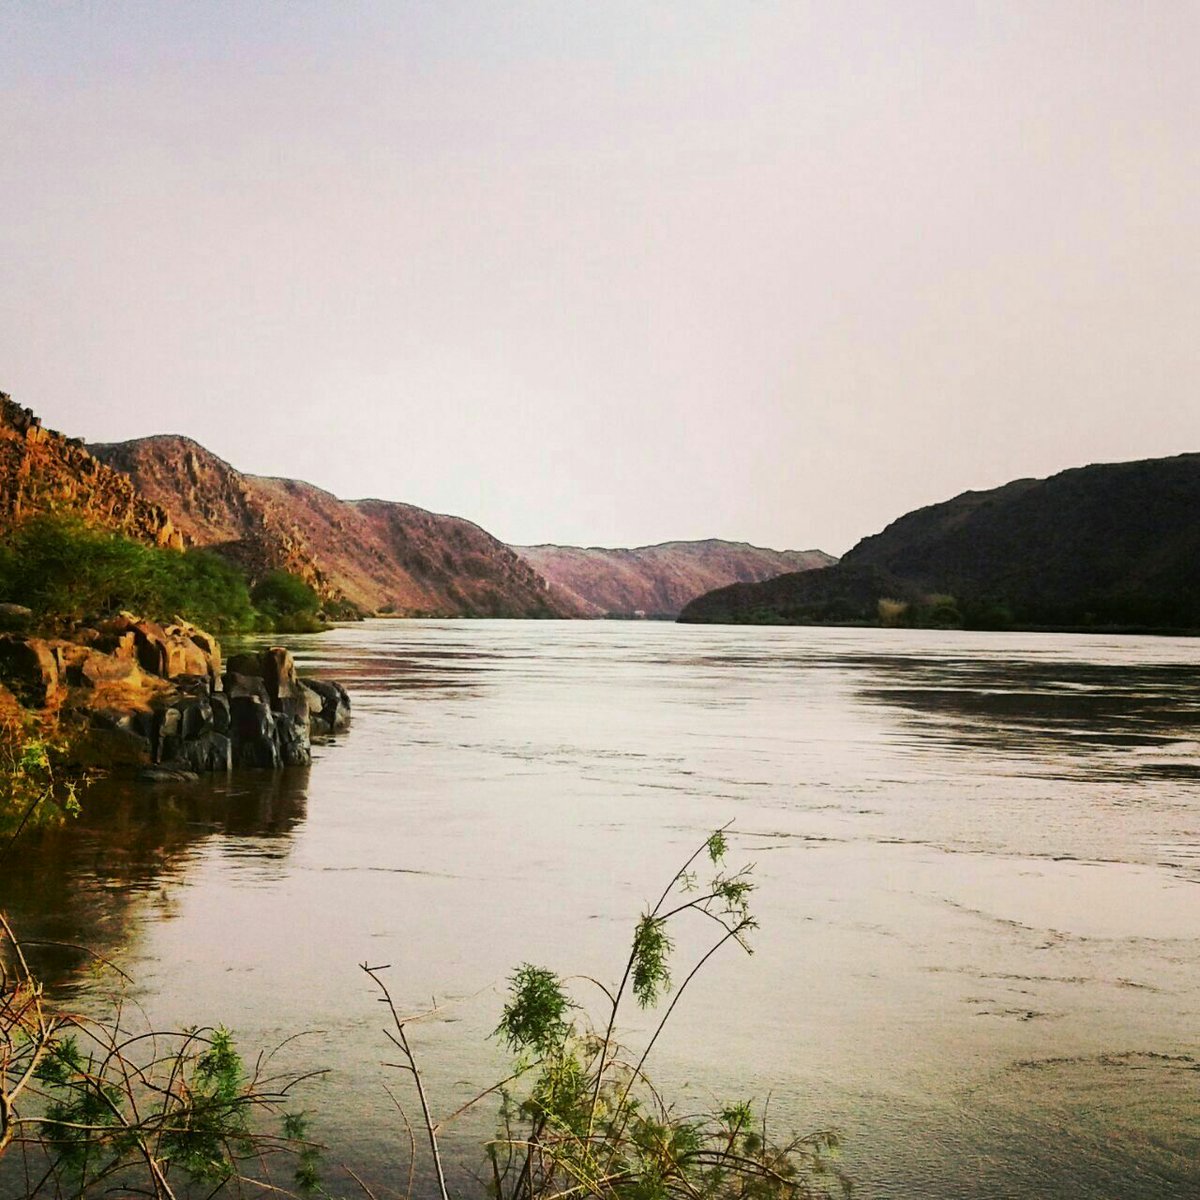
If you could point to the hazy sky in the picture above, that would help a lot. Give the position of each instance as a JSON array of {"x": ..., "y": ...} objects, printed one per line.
[{"x": 610, "y": 273}]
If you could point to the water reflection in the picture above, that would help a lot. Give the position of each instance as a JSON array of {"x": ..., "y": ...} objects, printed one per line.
[
  {"x": 75, "y": 894},
  {"x": 975, "y": 852},
  {"x": 1060, "y": 712}
]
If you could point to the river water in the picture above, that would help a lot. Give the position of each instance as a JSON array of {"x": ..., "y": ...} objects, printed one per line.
[{"x": 978, "y": 866}]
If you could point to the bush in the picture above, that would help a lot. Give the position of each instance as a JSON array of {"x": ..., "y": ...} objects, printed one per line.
[
  {"x": 287, "y": 603},
  {"x": 65, "y": 569},
  {"x": 579, "y": 1115},
  {"x": 94, "y": 1108},
  {"x": 892, "y": 613},
  {"x": 284, "y": 595},
  {"x": 35, "y": 791}
]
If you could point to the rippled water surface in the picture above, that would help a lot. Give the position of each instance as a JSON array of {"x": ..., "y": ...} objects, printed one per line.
[{"x": 978, "y": 858}]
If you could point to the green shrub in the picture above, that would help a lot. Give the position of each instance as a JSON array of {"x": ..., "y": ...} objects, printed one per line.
[
  {"x": 33, "y": 794},
  {"x": 284, "y": 595},
  {"x": 580, "y": 1117},
  {"x": 287, "y": 603},
  {"x": 63, "y": 568}
]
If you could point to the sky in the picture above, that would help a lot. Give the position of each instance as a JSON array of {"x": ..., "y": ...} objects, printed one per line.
[{"x": 610, "y": 273}]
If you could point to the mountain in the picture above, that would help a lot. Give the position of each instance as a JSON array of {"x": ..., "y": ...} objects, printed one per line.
[
  {"x": 658, "y": 580},
  {"x": 1114, "y": 545},
  {"x": 42, "y": 471},
  {"x": 376, "y": 554}
]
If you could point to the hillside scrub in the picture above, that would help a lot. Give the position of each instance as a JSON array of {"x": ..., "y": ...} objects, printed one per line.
[{"x": 66, "y": 570}]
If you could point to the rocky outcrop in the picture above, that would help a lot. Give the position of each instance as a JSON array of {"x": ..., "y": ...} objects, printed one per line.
[
  {"x": 378, "y": 555},
  {"x": 137, "y": 694},
  {"x": 657, "y": 581},
  {"x": 41, "y": 471}
]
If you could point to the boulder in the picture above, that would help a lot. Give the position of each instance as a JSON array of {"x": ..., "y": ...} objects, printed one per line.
[
  {"x": 111, "y": 746},
  {"x": 167, "y": 734},
  {"x": 167, "y": 773},
  {"x": 140, "y": 722},
  {"x": 220, "y": 711},
  {"x": 245, "y": 685},
  {"x": 279, "y": 674},
  {"x": 292, "y": 730},
  {"x": 29, "y": 668},
  {"x": 15, "y": 616},
  {"x": 208, "y": 751},
  {"x": 252, "y": 724},
  {"x": 316, "y": 721},
  {"x": 184, "y": 654},
  {"x": 194, "y": 685},
  {"x": 244, "y": 664},
  {"x": 196, "y": 717},
  {"x": 150, "y": 644},
  {"x": 211, "y": 649},
  {"x": 96, "y": 669},
  {"x": 329, "y": 704},
  {"x": 182, "y": 719}
]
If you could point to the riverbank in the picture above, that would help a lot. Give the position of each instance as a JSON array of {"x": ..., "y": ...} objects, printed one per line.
[{"x": 158, "y": 700}]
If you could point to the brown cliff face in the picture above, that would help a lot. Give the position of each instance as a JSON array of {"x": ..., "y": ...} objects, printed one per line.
[
  {"x": 657, "y": 581},
  {"x": 43, "y": 472},
  {"x": 377, "y": 554}
]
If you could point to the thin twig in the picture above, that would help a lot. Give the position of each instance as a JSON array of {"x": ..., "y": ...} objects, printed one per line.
[{"x": 401, "y": 1040}]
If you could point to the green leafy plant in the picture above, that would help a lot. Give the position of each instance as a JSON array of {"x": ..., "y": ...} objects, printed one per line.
[
  {"x": 99, "y": 1109},
  {"x": 35, "y": 789},
  {"x": 288, "y": 603},
  {"x": 579, "y": 1115},
  {"x": 63, "y": 568}
]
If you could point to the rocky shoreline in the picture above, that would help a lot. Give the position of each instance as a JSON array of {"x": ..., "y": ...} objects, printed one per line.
[{"x": 132, "y": 694}]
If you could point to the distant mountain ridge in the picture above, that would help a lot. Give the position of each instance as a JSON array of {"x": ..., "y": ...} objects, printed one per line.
[
  {"x": 658, "y": 580},
  {"x": 1107, "y": 545},
  {"x": 379, "y": 555}
]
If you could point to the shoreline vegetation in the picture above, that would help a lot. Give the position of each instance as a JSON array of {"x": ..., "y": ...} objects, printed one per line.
[
  {"x": 92, "y": 1104},
  {"x": 68, "y": 573}
]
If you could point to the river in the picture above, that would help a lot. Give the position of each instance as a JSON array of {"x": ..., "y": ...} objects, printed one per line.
[{"x": 977, "y": 856}]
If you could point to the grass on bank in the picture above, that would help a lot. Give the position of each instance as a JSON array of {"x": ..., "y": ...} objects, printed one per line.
[{"x": 66, "y": 570}]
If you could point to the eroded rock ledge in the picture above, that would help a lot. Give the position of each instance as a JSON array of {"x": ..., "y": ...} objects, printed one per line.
[{"x": 133, "y": 693}]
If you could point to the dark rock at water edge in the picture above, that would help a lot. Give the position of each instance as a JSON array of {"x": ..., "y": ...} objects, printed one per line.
[
  {"x": 143, "y": 695},
  {"x": 166, "y": 774},
  {"x": 328, "y": 706}
]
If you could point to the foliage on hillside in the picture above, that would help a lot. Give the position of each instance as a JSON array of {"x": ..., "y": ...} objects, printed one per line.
[{"x": 66, "y": 570}]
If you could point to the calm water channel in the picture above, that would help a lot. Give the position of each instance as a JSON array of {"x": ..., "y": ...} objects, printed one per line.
[{"x": 978, "y": 858}]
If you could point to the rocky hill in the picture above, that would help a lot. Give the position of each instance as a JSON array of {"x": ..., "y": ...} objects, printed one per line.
[
  {"x": 44, "y": 472},
  {"x": 657, "y": 581},
  {"x": 376, "y": 554},
  {"x": 1109, "y": 545}
]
